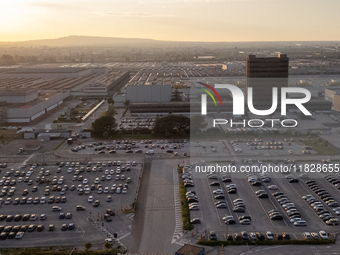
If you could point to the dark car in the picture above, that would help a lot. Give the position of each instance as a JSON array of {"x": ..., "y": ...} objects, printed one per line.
[
  {"x": 3, "y": 217},
  {"x": 230, "y": 222},
  {"x": 69, "y": 216},
  {"x": 51, "y": 227},
  {"x": 244, "y": 217},
  {"x": 276, "y": 217},
  {"x": 40, "y": 228},
  {"x": 26, "y": 217},
  {"x": 256, "y": 183},
  {"x": 3, "y": 235},
  {"x": 17, "y": 217},
  {"x": 71, "y": 226},
  {"x": 214, "y": 184},
  {"x": 96, "y": 203},
  {"x": 263, "y": 195},
  {"x": 8, "y": 229},
  {"x": 232, "y": 191},
  {"x": 237, "y": 237},
  {"x": 212, "y": 236},
  {"x": 80, "y": 208},
  {"x": 9, "y": 218},
  {"x": 238, "y": 209},
  {"x": 64, "y": 227},
  {"x": 110, "y": 212},
  {"x": 195, "y": 221},
  {"x": 16, "y": 228},
  {"x": 31, "y": 228},
  {"x": 62, "y": 216},
  {"x": 11, "y": 235},
  {"x": 285, "y": 236},
  {"x": 23, "y": 228},
  {"x": 260, "y": 236}
]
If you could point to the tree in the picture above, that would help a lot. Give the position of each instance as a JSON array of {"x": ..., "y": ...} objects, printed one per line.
[
  {"x": 181, "y": 132},
  {"x": 197, "y": 123},
  {"x": 102, "y": 124},
  {"x": 111, "y": 101},
  {"x": 108, "y": 245},
  {"x": 110, "y": 111},
  {"x": 171, "y": 124},
  {"x": 176, "y": 96},
  {"x": 105, "y": 134},
  {"x": 127, "y": 103},
  {"x": 88, "y": 246}
]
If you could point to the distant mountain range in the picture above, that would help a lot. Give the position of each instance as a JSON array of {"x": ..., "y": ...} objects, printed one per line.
[{"x": 94, "y": 41}]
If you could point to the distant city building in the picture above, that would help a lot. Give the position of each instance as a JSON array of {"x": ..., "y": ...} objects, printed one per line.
[{"x": 264, "y": 73}]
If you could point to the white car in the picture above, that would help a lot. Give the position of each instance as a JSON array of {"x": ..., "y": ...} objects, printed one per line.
[
  {"x": 194, "y": 207},
  {"x": 19, "y": 235},
  {"x": 85, "y": 181},
  {"x": 272, "y": 187},
  {"x": 307, "y": 235},
  {"x": 323, "y": 234},
  {"x": 252, "y": 235},
  {"x": 108, "y": 177},
  {"x": 218, "y": 191},
  {"x": 112, "y": 171},
  {"x": 96, "y": 181},
  {"x": 122, "y": 177},
  {"x": 117, "y": 177},
  {"x": 43, "y": 200},
  {"x": 128, "y": 163},
  {"x": 270, "y": 235},
  {"x": 295, "y": 220},
  {"x": 118, "y": 190},
  {"x": 124, "y": 191},
  {"x": 107, "y": 171},
  {"x": 300, "y": 223},
  {"x": 90, "y": 199}
]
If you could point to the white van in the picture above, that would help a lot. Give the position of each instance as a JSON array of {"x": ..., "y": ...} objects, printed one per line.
[{"x": 150, "y": 152}]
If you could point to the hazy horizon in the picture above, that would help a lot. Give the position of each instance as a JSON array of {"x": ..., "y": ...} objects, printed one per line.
[{"x": 172, "y": 20}]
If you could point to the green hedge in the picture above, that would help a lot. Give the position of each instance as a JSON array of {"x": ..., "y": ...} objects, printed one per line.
[
  {"x": 185, "y": 208},
  {"x": 267, "y": 242}
]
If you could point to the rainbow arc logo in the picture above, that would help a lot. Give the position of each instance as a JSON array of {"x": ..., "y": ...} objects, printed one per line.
[{"x": 209, "y": 93}]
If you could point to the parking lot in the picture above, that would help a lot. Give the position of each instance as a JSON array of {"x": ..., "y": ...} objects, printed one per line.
[
  {"x": 292, "y": 186},
  {"x": 176, "y": 147},
  {"x": 31, "y": 189}
]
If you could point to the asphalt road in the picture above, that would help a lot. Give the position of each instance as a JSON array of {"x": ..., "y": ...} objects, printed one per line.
[{"x": 154, "y": 221}]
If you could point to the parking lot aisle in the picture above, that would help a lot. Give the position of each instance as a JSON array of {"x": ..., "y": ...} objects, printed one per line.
[
  {"x": 265, "y": 205},
  {"x": 179, "y": 224},
  {"x": 275, "y": 204},
  {"x": 328, "y": 186},
  {"x": 324, "y": 184},
  {"x": 157, "y": 209},
  {"x": 207, "y": 207},
  {"x": 294, "y": 194}
]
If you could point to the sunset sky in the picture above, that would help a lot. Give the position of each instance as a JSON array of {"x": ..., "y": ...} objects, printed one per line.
[{"x": 177, "y": 20}]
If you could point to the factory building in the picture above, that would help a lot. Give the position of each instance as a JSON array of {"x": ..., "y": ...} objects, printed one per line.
[{"x": 148, "y": 93}]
